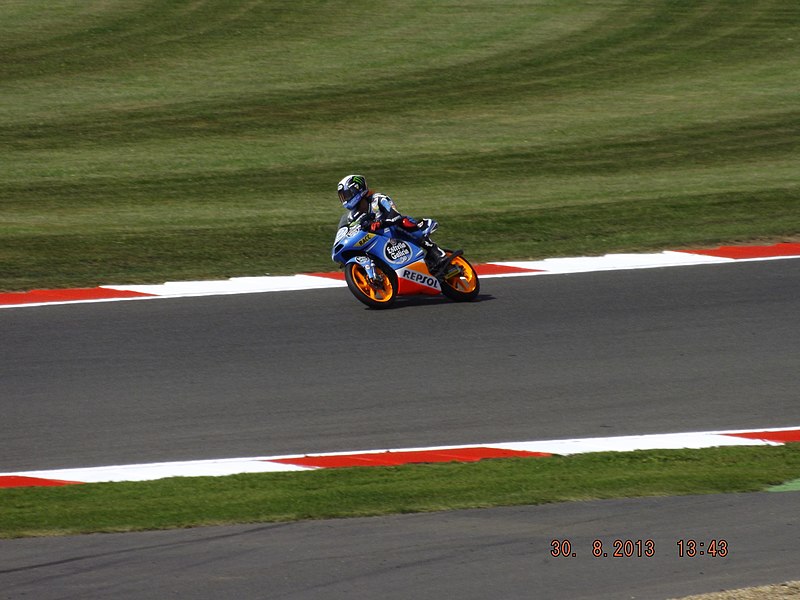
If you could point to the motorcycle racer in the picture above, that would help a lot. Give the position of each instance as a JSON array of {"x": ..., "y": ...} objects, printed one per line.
[{"x": 376, "y": 211}]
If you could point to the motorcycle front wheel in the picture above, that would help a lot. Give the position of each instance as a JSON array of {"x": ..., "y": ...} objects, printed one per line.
[
  {"x": 380, "y": 292},
  {"x": 463, "y": 285}
]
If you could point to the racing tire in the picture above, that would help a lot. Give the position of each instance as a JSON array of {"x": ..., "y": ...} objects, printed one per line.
[
  {"x": 463, "y": 286},
  {"x": 380, "y": 293}
]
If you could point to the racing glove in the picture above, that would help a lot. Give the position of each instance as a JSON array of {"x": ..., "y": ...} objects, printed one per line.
[{"x": 409, "y": 224}]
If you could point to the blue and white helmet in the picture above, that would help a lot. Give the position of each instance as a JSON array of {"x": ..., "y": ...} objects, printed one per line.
[{"x": 351, "y": 190}]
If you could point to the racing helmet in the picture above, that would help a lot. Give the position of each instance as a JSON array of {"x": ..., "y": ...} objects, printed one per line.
[{"x": 351, "y": 190}]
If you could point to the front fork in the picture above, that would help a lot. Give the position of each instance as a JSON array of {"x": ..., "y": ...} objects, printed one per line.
[{"x": 366, "y": 263}]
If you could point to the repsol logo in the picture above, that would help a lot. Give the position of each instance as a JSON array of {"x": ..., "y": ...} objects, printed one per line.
[{"x": 422, "y": 278}]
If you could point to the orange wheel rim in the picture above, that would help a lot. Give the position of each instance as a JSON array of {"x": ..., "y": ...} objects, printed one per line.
[
  {"x": 379, "y": 291},
  {"x": 465, "y": 281}
]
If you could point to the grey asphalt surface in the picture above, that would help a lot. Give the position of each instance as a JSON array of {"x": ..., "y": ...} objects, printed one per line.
[
  {"x": 475, "y": 554},
  {"x": 549, "y": 357}
]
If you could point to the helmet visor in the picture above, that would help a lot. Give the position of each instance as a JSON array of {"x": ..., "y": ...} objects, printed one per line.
[
  {"x": 345, "y": 194},
  {"x": 350, "y": 197}
]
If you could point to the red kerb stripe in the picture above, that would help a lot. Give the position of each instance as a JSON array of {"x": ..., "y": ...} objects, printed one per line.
[
  {"x": 386, "y": 459},
  {"x": 791, "y": 435},
  {"x": 13, "y": 481},
  {"x": 67, "y": 295},
  {"x": 492, "y": 269},
  {"x": 786, "y": 249}
]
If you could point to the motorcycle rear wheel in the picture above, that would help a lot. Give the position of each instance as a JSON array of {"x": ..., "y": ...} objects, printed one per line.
[
  {"x": 463, "y": 286},
  {"x": 380, "y": 292}
]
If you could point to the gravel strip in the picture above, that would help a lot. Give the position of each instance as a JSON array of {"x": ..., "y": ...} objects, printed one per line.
[{"x": 781, "y": 591}]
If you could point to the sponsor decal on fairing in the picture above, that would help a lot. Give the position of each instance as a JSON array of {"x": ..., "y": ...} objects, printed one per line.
[
  {"x": 363, "y": 242},
  {"x": 420, "y": 278},
  {"x": 397, "y": 251}
]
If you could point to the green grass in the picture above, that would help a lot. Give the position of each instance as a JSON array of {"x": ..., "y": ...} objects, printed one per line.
[
  {"x": 355, "y": 492},
  {"x": 148, "y": 140}
]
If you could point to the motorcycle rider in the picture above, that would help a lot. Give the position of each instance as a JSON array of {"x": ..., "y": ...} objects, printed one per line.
[{"x": 376, "y": 211}]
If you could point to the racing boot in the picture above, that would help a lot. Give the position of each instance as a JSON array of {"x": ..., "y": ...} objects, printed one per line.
[{"x": 438, "y": 260}]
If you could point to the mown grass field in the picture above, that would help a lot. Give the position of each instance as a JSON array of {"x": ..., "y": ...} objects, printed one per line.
[{"x": 152, "y": 140}]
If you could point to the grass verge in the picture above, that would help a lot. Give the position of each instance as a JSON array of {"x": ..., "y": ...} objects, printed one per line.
[{"x": 359, "y": 492}]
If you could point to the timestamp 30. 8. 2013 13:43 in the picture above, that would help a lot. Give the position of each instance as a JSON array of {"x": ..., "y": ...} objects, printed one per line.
[{"x": 638, "y": 548}]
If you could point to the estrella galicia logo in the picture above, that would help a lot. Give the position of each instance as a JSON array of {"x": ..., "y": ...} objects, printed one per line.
[{"x": 397, "y": 251}]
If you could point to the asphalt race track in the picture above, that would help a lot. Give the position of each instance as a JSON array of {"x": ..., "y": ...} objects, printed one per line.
[
  {"x": 545, "y": 357},
  {"x": 597, "y": 354},
  {"x": 470, "y": 555}
]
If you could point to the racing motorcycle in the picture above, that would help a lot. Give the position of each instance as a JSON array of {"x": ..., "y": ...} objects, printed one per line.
[{"x": 379, "y": 267}]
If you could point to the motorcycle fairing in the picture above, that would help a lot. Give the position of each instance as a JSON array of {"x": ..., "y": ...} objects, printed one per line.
[
  {"x": 403, "y": 256},
  {"x": 416, "y": 279}
]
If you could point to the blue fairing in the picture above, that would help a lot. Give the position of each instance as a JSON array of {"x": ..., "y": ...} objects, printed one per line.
[{"x": 384, "y": 245}]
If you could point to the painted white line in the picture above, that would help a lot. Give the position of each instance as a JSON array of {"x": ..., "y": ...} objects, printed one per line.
[
  {"x": 613, "y": 262},
  {"x": 236, "y": 285},
  {"x": 149, "y": 472},
  {"x": 669, "y": 441}
]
